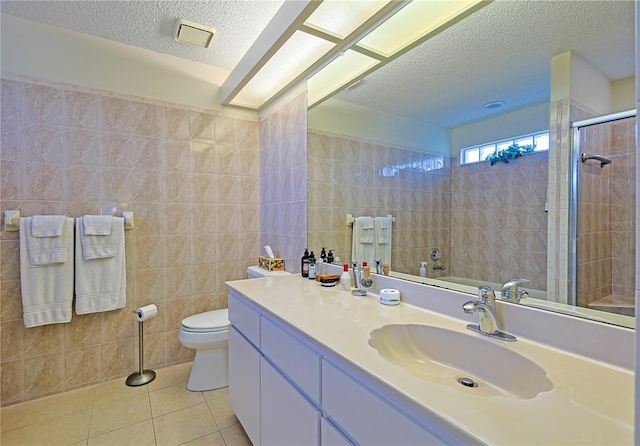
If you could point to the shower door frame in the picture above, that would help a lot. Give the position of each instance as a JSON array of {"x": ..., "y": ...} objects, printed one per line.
[{"x": 575, "y": 183}]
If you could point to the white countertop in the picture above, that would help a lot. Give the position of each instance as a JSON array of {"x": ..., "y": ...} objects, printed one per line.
[{"x": 590, "y": 403}]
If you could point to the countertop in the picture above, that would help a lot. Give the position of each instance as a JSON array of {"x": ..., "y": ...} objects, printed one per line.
[{"x": 590, "y": 403}]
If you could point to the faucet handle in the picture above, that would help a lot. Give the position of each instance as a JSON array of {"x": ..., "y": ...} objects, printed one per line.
[
  {"x": 510, "y": 291},
  {"x": 486, "y": 294}
]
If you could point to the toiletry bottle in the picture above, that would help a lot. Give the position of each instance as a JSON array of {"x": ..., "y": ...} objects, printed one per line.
[
  {"x": 330, "y": 258},
  {"x": 312, "y": 266},
  {"x": 304, "y": 263},
  {"x": 423, "y": 269},
  {"x": 323, "y": 254},
  {"x": 345, "y": 278}
]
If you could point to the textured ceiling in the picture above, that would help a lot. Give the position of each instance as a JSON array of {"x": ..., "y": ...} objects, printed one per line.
[
  {"x": 501, "y": 52},
  {"x": 149, "y": 24}
]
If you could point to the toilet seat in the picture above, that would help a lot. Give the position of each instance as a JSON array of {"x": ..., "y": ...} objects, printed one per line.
[{"x": 207, "y": 322}]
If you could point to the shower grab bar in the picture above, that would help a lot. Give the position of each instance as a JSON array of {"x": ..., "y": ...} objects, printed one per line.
[{"x": 603, "y": 159}]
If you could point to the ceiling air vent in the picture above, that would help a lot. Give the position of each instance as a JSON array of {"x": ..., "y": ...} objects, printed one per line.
[{"x": 193, "y": 33}]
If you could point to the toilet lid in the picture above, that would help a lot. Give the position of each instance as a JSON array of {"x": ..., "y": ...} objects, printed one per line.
[{"x": 216, "y": 320}]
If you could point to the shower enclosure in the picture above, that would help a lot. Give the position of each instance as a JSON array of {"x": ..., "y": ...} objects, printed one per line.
[{"x": 603, "y": 214}]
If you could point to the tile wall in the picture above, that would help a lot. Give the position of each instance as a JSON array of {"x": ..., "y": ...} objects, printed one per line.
[
  {"x": 606, "y": 213},
  {"x": 191, "y": 176},
  {"x": 283, "y": 178},
  {"x": 498, "y": 220},
  {"x": 346, "y": 177}
]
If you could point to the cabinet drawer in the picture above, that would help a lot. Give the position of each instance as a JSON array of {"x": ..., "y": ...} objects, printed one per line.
[
  {"x": 366, "y": 417},
  {"x": 287, "y": 418},
  {"x": 295, "y": 359},
  {"x": 244, "y": 318}
]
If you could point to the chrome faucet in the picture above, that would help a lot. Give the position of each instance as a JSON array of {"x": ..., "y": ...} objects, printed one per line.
[
  {"x": 510, "y": 291},
  {"x": 485, "y": 307}
]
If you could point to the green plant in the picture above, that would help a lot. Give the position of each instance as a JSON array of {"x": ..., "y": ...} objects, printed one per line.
[{"x": 511, "y": 152}]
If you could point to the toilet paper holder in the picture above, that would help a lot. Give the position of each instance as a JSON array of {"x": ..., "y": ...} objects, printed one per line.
[{"x": 142, "y": 376}]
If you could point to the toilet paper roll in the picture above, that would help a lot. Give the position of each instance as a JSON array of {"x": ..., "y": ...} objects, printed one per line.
[
  {"x": 146, "y": 312},
  {"x": 389, "y": 296}
]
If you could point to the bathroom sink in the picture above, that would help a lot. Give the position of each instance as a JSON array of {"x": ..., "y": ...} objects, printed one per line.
[{"x": 466, "y": 362}]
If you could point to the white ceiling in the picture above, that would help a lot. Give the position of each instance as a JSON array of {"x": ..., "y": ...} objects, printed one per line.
[
  {"x": 149, "y": 24},
  {"x": 502, "y": 52}
]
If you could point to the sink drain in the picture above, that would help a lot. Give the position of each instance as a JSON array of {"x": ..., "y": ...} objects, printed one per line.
[{"x": 467, "y": 382}]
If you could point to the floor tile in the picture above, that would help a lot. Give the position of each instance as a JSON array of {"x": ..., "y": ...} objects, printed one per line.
[
  {"x": 173, "y": 398},
  {"x": 184, "y": 425},
  {"x": 171, "y": 376},
  {"x": 118, "y": 414},
  {"x": 235, "y": 436},
  {"x": 222, "y": 412},
  {"x": 140, "y": 434},
  {"x": 70, "y": 428},
  {"x": 217, "y": 393},
  {"x": 214, "y": 439},
  {"x": 116, "y": 390},
  {"x": 42, "y": 409}
]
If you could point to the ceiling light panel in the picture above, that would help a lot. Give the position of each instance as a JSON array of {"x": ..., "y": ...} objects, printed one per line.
[
  {"x": 340, "y": 72},
  {"x": 340, "y": 18},
  {"x": 413, "y": 22},
  {"x": 294, "y": 57}
]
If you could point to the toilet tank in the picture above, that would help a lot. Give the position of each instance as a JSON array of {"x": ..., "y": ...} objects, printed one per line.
[{"x": 255, "y": 272}]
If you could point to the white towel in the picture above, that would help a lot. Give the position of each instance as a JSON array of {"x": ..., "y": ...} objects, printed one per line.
[
  {"x": 383, "y": 239},
  {"x": 46, "y": 241},
  {"x": 47, "y": 225},
  {"x": 97, "y": 224},
  {"x": 97, "y": 239},
  {"x": 101, "y": 283},
  {"x": 365, "y": 226},
  {"x": 363, "y": 251},
  {"x": 47, "y": 290},
  {"x": 383, "y": 230}
]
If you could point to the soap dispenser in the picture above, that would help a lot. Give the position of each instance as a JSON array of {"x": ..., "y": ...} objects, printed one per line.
[
  {"x": 423, "y": 269},
  {"x": 304, "y": 263}
]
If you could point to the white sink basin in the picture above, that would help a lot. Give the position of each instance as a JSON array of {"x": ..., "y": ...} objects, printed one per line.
[{"x": 444, "y": 356}]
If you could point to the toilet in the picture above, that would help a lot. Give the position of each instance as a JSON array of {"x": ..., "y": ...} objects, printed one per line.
[{"x": 207, "y": 333}]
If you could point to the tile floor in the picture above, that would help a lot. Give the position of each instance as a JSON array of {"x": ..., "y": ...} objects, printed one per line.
[{"x": 163, "y": 412}]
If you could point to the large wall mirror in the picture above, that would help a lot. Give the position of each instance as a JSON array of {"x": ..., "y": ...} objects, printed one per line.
[{"x": 511, "y": 72}]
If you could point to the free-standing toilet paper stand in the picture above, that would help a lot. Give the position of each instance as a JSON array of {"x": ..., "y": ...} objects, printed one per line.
[{"x": 141, "y": 377}]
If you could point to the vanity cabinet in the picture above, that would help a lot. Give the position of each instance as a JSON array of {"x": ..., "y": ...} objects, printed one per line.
[{"x": 286, "y": 392}]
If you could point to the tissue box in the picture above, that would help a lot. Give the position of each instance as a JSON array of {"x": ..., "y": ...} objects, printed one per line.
[{"x": 270, "y": 264}]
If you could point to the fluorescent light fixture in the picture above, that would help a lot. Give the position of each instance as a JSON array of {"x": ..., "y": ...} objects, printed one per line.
[
  {"x": 305, "y": 37},
  {"x": 296, "y": 55},
  {"x": 341, "y": 72},
  {"x": 340, "y": 18},
  {"x": 414, "y": 22}
]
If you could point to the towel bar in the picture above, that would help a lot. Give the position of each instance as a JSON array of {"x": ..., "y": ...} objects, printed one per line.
[
  {"x": 351, "y": 219},
  {"x": 12, "y": 220}
]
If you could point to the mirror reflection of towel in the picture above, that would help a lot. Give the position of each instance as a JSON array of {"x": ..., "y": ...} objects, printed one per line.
[
  {"x": 383, "y": 230},
  {"x": 365, "y": 229}
]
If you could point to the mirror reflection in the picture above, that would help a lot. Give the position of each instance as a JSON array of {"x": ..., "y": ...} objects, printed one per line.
[{"x": 410, "y": 138}]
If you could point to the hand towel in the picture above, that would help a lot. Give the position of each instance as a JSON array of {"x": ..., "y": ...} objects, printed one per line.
[
  {"x": 47, "y": 225},
  {"x": 46, "y": 240},
  {"x": 101, "y": 283},
  {"x": 363, "y": 251},
  {"x": 365, "y": 229},
  {"x": 98, "y": 241},
  {"x": 383, "y": 230},
  {"x": 97, "y": 224},
  {"x": 47, "y": 290},
  {"x": 383, "y": 239}
]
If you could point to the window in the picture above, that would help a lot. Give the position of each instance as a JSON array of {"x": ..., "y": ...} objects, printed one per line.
[{"x": 477, "y": 154}]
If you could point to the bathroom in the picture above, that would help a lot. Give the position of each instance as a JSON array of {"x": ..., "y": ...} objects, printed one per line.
[{"x": 189, "y": 170}]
